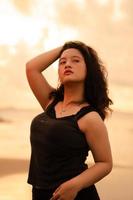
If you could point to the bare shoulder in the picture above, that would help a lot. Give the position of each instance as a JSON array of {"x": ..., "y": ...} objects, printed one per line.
[
  {"x": 93, "y": 116},
  {"x": 92, "y": 122}
]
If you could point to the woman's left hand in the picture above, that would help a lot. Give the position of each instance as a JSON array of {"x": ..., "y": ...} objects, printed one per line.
[{"x": 66, "y": 191}]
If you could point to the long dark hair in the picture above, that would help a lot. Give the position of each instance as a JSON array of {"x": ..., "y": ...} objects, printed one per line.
[{"x": 96, "y": 87}]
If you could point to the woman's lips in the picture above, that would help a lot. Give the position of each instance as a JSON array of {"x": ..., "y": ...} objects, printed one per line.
[{"x": 67, "y": 72}]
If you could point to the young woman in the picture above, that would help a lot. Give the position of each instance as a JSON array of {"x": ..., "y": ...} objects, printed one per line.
[{"x": 71, "y": 125}]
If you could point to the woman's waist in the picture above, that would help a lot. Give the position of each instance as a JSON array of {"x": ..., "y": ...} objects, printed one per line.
[{"x": 59, "y": 166}]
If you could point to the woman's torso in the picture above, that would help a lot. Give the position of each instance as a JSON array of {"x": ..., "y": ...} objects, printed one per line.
[{"x": 59, "y": 148}]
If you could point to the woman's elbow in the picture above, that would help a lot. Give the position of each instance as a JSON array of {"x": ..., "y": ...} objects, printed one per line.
[
  {"x": 109, "y": 167},
  {"x": 27, "y": 65}
]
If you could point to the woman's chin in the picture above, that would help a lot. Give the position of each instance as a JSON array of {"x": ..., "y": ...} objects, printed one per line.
[{"x": 68, "y": 80}]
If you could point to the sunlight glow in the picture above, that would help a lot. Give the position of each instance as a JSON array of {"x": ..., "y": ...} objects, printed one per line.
[
  {"x": 117, "y": 14},
  {"x": 80, "y": 3},
  {"x": 103, "y": 2},
  {"x": 17, "y": 27},
  {"x": 57, "y": 36},
  {"x": 12, "y": 50},
  {"x": 3, "y": 63}
]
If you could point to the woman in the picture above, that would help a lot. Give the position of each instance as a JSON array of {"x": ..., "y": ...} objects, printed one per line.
[{"x": 70, "y": 126}]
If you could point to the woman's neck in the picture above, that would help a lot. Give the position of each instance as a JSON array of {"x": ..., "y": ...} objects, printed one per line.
[{"x": 73, "y": 93}]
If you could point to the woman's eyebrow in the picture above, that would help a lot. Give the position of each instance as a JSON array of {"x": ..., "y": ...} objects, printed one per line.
[
  {"x": 62, "y": 58},
  {"x": 72, "y": 57},
  {"x": 77, "y": 57}
]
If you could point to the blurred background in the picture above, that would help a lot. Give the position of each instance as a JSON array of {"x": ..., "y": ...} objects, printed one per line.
[{"x": 30, "y": 27}]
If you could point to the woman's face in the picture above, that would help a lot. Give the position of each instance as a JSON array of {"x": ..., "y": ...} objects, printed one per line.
[{"x": 72, "y": 67}]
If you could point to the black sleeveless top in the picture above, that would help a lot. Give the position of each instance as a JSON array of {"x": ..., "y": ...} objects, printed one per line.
[{"x": 58, "y": 148}]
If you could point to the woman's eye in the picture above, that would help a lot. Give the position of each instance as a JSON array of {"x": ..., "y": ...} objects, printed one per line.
[
  {"x": 76, "y": 61},
  {"x": 62, "y": 62}
]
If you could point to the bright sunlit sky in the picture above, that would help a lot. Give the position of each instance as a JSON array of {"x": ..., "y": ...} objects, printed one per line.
[{"x": 29, "y": 27}]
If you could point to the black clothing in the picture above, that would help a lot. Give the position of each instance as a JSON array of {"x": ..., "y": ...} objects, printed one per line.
[
  {"x": 59, "y": 148},
  {"x": 89, "y": 193}
]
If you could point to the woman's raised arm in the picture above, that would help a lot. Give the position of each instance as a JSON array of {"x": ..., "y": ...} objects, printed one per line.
[{"x": 38, "y": 84}]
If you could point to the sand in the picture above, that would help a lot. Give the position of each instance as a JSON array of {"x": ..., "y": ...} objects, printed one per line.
[{"x": 15, "y": 155}]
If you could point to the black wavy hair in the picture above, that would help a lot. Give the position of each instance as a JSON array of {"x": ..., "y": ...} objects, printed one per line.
[{"x": 96, "y": 87}]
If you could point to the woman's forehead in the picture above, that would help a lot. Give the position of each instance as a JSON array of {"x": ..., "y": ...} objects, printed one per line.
[{"x": 71, "y": 52}]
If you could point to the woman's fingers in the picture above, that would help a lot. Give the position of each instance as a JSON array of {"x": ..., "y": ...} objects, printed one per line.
[
  {"x": 56, "y": 196},
  {"x": 56, "y": 190}
]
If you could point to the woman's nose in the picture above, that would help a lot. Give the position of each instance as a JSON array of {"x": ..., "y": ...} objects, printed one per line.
[{"x": 68, "y": 64}]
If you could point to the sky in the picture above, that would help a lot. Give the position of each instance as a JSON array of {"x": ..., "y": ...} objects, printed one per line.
[{"x": 30, "y": 27}]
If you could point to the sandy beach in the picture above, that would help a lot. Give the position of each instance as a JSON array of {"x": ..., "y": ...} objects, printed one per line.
[{"x": 15, "y": 155}]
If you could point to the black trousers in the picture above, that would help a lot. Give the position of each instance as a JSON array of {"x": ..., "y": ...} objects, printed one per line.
[{"x": 89, "y": 193}]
